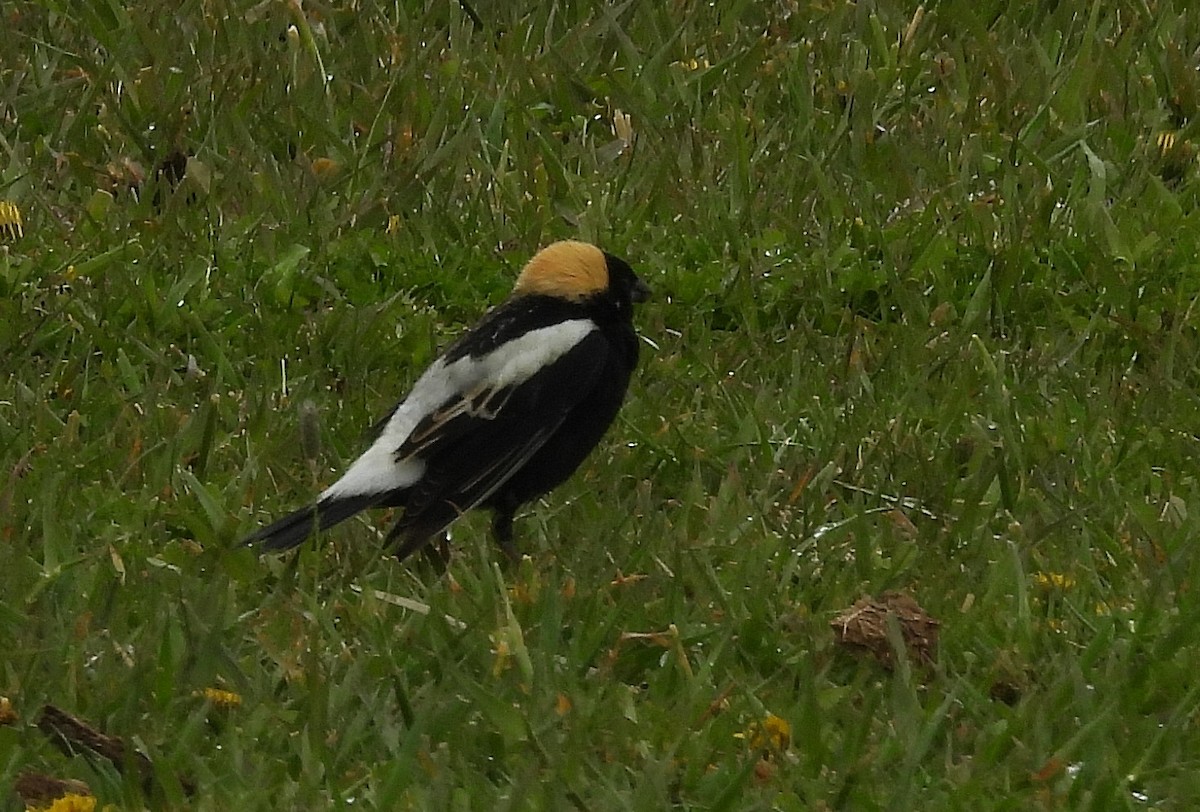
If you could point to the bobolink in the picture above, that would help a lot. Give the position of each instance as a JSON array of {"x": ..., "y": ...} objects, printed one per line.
[{"x": 507, "y": 413}]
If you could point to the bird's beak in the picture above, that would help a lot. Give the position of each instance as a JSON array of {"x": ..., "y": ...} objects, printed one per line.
[{"x": 641, "y": 291}]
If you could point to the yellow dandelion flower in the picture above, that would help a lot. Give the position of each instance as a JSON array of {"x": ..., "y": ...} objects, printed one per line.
[
  {"x": 226, "y": 700},
  {"x": 1053, "y": 580},
  {"x": 325, "y": 167},
  {"x": 776, "y": 733},
  {"x": 70, "y": 802},
  {"x": 773, "y": 733},
  {"x": 12, "y": 227}
]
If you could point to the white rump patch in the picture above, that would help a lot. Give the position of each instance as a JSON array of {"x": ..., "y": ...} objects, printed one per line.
[{"x": 510, "y": 364}]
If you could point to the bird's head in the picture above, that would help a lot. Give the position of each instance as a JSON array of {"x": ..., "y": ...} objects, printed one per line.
[{"x": 578, "y": 272}]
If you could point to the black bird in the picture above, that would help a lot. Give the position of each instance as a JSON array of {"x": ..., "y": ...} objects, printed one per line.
[{"x": 506, "y": 414}]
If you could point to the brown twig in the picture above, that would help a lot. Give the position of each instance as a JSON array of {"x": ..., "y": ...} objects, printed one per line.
[
  {"x": 73, "y": 736},
  {"x": 38, "y": 789}
]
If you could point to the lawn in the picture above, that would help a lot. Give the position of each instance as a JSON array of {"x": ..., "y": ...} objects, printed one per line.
[{"x": 924, "y": 321}]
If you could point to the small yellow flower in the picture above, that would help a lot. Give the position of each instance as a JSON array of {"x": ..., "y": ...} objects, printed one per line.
[
  {"x": 12, "y": 227},
  {"x": 8, "y": 715},
  {"x": 325, "y": 167},
  {"x": 68, "y": 803},
  {"x": 225, "y": 700},
  {"x": 1055, "y": 580},
  {"x": 773, "y": 734},
  {"x": 776, "y": 733}
]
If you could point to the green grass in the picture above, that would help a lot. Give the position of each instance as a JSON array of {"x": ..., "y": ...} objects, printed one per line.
[{"x": 939, "y": 264}]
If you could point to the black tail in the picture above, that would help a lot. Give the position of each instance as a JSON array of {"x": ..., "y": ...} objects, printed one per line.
[
  {"x": 415, "y": 530},
  {"x": 296, "y": 527}
]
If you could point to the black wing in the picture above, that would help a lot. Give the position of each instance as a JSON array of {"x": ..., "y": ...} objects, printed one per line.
[{"x": 475, "y": 443}]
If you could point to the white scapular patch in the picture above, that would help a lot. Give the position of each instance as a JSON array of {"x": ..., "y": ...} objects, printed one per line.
[{"x": 510, "y": 364}]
